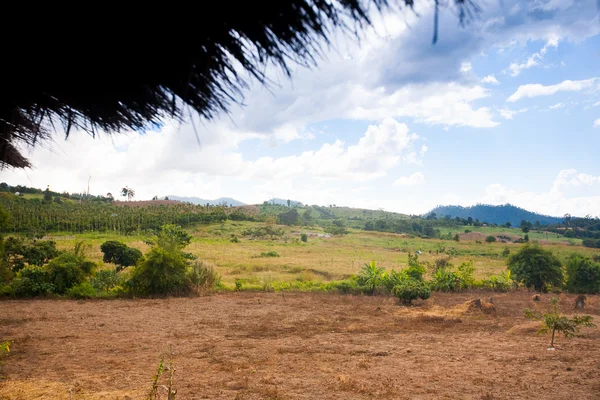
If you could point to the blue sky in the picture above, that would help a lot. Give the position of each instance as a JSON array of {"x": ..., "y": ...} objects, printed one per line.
[{"x": 504, "y": 109}]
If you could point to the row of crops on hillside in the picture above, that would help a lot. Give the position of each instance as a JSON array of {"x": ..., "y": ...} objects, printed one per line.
[{"x": 36, "y": 216}]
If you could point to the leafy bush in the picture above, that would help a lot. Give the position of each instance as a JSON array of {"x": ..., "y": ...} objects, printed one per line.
[
  {"x": 445, "y": 280},
  {"x": 391, "y": 279},
  {"x": 411, "y": 289},
  {"x": 68, "y": 270},
  {"x": 456, "y": 238},
  {"x": 506, "y": 252},
  {"x": 490, "y": 239},
  {"x": 583, "y": 275},
  {"x": 106, "y": 279},
  {"x": 270, "y": 253},
  {"x": 84, "y": 290},
  {"x": 234, "y": 239},
  {"x": 172, "y": 237},
  {"x": 415, "y": 269},
  {"x": 203, "y": 275},
  {"x": 371, "y": 276},
  {"x": 264, "y": 231},
  {"x": 535, "y": 267},
  {"x": 17, "y": 253},
  {"x": 553, "y": 322},
  {"x": 500, "y": 283},
  {"x": 32, "y": 281},
  {"x": 304, "y": 237},
  {"x": 335, "y": 230},
  {"x": 159, "y": 272},
  {"x": 119, "y": 254}
]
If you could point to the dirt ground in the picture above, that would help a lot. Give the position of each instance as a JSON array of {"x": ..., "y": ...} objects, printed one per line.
[{"x": 295, "y": 346}]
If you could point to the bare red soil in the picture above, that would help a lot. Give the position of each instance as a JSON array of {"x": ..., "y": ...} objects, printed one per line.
[{"x": 295, "y": 346}]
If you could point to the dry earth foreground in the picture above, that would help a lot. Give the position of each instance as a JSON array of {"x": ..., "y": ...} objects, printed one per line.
[{"x": 296, "y": 346}]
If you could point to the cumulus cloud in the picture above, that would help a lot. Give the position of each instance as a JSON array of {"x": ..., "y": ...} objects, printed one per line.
[
  {"x": 381, "y": 148},
  {"x": 412, "y": 180},
  {"x": 556, "y": 106},
  {"x": 597, "y": 123},
  {"x": 536, "y": 89},
  {"x": 490, "y": 79}
]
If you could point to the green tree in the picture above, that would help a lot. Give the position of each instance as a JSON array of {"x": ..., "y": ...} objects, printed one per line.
[
  {"x": 172, "y": 238},
  {"x": 490, "y": 239},
  {"x": 583, "y": 275},
  {"x": 508, "y": 224},
  {"x": 553, "y": 321},
  {"x": 120, "y": 254},
  {"x": 535, "y": 267},
  {"x": 47, "y": 195}
]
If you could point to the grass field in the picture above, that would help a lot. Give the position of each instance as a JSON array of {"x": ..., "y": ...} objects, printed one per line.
[{"x": 330, "y": 258}]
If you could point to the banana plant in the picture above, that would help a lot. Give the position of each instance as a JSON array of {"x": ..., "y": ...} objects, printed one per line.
[{"x": 372, "y": 276}]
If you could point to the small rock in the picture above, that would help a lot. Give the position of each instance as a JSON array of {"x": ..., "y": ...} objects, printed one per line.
[
  {"x": 569, "y": 369},
  {"x": 409, "y": 351}
]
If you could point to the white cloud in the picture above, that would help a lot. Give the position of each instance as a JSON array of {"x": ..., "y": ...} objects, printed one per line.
[
  {"x": 382, "y": 147},
  {"x": 490, "y": 79},
  {"x": 556, "y": 106},
  {"x": 424, "y": 149},
  {"x": 466, "y": 67},
  {"x": 597, "y": 123},
  {"x": 507, "y": 113},
  {"x": 536, "y": 89},
  {"x": 535, "y": 59},
  {"x": 412, "y": 180},
  {"x": 515, "y": 69}
]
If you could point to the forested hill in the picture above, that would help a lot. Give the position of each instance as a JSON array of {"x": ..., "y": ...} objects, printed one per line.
[{"x": 495, "y": 214}]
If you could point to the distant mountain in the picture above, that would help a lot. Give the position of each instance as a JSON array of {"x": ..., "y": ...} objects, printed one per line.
[
  {"x": 283, "y": 202},
  {"x": 495, "y": 214},
  {"x": 197, "y": 200}
]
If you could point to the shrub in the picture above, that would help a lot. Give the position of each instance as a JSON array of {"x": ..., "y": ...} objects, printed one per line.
[
  {"x": 468, "y": 231},
  {"x": 304, "y": 237},
  {"x": 391, "y": 279},
  {"x": 68, "y": 270},
  {"x": 159, "y": 272},
  {"x": 490, "y": 239},
  {"x": 506, "y": 252},
  {"x": 596, "y": 257},
  {"x": 106, "y": 280},
  {"x": 270, "y": 253},
  {"x": 84, "y": 290},
  {"x": 119, "y": 254},
  {"x": 583, "y": 275},
  {"x": 535, "y": 267},
  {"x": 415, "y": 269},
  {"x": 203, "y": 275},
  {"x": 234, "y": 239},
  {"x": 445, "y": 281},
  {"x": 500, "y": 283},
  {"x": 411, "y": 289},
  {"x": 553, "y": 322},
  {"x": 456, "y": 238},
  {"x": 465, "y": 273},
  {"x": 371, "y": 276},
  {"x": 172, "y": 237},
  {"x": 32, "y": 281}
]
